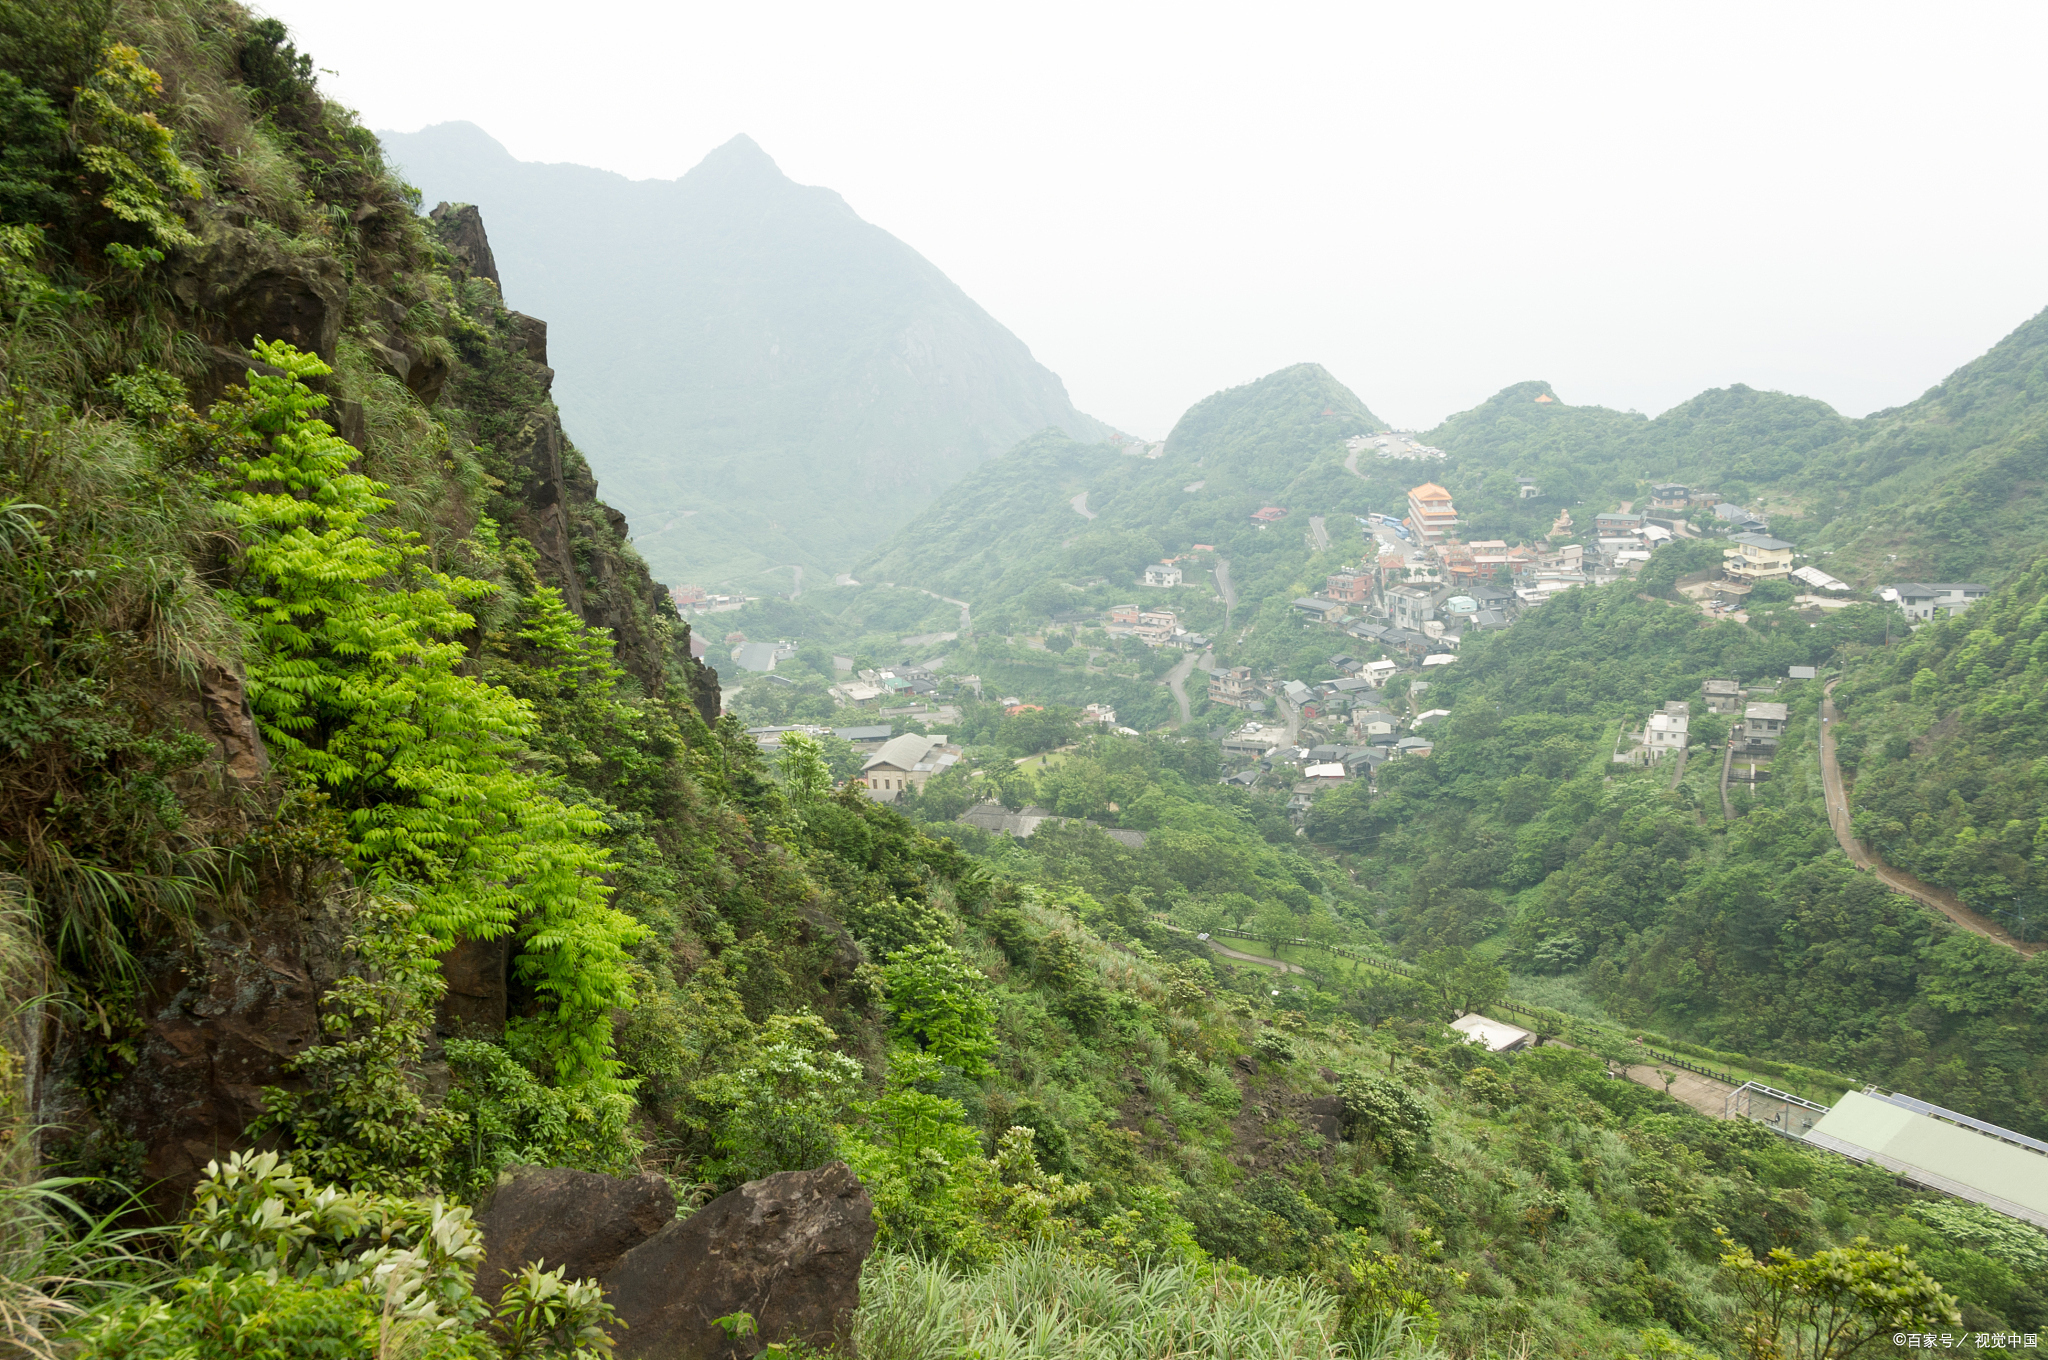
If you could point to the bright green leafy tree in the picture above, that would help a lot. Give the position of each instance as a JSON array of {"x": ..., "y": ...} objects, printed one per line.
[{"x": 359, "y": 685}]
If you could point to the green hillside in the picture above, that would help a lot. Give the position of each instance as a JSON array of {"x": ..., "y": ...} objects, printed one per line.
[
  {"x": 1948, "y": 487},
  {"x": 761, "y": 378},
  {"x": 1944, "y": 736}
]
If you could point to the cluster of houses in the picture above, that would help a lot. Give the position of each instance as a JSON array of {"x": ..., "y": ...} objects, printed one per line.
[
  {"x": 697, "y": 600},
  {"x": 1153, "y": 627},
  {"x": 1753, "y": 738},
  {"x": 900, "y": 682},
  {"x": 1357, "y": 730}
]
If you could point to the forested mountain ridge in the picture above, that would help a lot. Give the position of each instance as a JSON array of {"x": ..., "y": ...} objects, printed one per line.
[
  {"x": 1947, "y": 487},
  {"x": 798, "y": 382}
]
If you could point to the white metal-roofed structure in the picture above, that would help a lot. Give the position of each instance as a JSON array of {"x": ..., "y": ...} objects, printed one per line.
[
  {"x": 1497, "y": 1035},
  {"x": 1941, "y": 1150}
]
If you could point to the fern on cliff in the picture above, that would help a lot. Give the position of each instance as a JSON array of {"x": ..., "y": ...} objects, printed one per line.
[{"x": 358, "y": 682}]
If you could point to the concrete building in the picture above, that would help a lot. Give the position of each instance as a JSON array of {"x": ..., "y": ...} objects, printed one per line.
[
  {"x": 905, "y": 763},
  {"x": 1232, "y": 687},
  {"x": 1412, "y": 604},
  {"x": 1924, "y": 600},
  {"x": 1763, "y": 725},
  {"x": 1162, "y": 574},
  {"x": 1496, "y": 1036},
  {"x": 1722, "y": 696},
  {"x": 1664, "y": 733},
  {"x": 1757, "y": 557},
  {"x": 1349, "y": 586}
]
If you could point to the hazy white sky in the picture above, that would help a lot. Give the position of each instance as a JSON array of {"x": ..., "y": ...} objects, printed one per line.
[{"x": 1634, "y": 201}]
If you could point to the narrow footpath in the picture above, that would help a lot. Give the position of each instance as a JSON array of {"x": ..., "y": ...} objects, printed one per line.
[
  {"x": 1898, "y": 880},
  {"x": 1259, "y": 959}
]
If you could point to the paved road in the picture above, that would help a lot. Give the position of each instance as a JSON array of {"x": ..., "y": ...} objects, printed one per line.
[
  {"x": 1293, "y": 716},
  {"x": 1176, "y": 681},
  {"x": 1704, "y": 1094},
  {"x": 1727, "y": 764},
  {"x": 1224, "y": 588},
  {"x": 1351, "y": 464},
  {"x": 966, "y": 610},
  {"x": 1317, "y": 534},
  {"x": 1898, "y": 880},
  {"x": 1080, "y": 504}
]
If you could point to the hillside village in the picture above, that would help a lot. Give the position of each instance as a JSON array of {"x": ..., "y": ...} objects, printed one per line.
[{"x": 1394, "y": 620}]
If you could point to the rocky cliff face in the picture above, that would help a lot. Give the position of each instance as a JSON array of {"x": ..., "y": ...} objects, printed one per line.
[
  {"x": 221, "y": 1012},
  {"x": 547, "y": 493}
]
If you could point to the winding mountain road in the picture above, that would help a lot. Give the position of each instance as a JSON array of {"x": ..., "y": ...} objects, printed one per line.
[
  {"x": 1898, "y": 880},
  {"x": 1176, "y": 680},
  {"x": 1318, "y": 536},
  {"x": 1225, "y": 589},
  {"x": 1080, "y": 504},
  {"x": 966, "y": 609}
]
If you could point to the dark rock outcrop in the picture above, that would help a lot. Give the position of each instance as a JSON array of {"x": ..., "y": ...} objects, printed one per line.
[
  {"x": 223, "y": 1016},
  {"x": 550, "y": 495},
  {"x": 579, "y": 1221},
  {"x": 787, "y": 1248},
  {"x": 1326, "y": 1117},
  {"x": 240, "y": 286},
  {"x": 224, "y": 699},
  {"x": 478, "y": 1000},
  {"x": 462, "y": 231}
]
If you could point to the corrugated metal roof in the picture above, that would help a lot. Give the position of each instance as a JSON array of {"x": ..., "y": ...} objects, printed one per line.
[{"x": 1921, "y": 1147}]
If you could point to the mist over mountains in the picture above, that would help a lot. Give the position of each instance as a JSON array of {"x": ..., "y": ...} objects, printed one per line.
[{"x": 760, "y": 378}]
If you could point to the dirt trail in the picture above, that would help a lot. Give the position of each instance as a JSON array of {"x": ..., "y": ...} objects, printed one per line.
[
  {"x": 1259, "y": 959},
  {"x": 1898, "y": 880}
]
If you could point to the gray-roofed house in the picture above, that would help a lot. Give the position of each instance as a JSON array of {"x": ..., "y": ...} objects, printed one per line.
[
  {"x": 1329, "y": 611},
  {"x": 1763, "y": 725},
  {"x": 756, "y": 656},
  {"x": 905, "y": 763},
  {"x": 1927, "y": 600},
  {"x": 865, "y": 736},
  {"x": 1722, "y": 696}
]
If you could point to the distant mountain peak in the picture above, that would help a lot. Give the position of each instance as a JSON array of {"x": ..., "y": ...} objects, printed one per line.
[
  {"x": 741, "y": 153},
  {"x": 461, "y": 137}
]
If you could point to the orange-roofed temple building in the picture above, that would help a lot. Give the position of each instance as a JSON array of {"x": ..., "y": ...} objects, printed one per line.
[{"x": 1431, "y": 514}]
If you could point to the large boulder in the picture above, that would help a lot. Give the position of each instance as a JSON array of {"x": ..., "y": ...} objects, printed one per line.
[
  {"x": 787, "y": 1248},
  {"x": 578, "y": 1220}
]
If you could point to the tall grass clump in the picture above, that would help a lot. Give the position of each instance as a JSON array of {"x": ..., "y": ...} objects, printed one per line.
[{"x": 1043, "y": 1303}]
